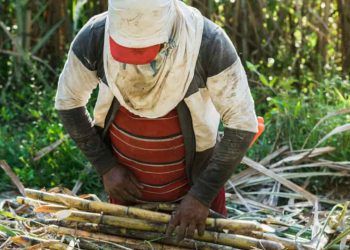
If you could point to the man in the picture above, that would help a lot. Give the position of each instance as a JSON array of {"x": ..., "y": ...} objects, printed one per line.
[{"x": 166, "y": 77}]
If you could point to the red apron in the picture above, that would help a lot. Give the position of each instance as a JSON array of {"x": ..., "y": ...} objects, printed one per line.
[{"x": 153, "y": 150}]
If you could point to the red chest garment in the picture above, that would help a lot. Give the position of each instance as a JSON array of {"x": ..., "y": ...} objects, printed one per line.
[{"x": 153, "y": 149}]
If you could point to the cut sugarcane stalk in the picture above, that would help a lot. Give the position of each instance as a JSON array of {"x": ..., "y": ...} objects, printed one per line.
[
  {"x": 134, "y": 244},
  {"x": 233, "y": 240},
  {"x": 151, "y": 236},
  {"x": 235, "y": 226}
]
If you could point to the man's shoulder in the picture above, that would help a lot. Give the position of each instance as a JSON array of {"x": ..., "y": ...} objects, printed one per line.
[
  {"x": 210, "y": 29},
  {"x": 98, "y": 21},
  {"x": 95, "y": 26},
  {"x": 217, "y": 50},
  {"x": 88, "y": 43},
  {"x": 213, "y": 34}
]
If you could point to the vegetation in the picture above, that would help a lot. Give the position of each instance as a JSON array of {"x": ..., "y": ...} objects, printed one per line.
[{"x": 297, "y": 55}]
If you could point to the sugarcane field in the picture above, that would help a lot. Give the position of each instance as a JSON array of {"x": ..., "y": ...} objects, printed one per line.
[{"x": 175, "y": 124}]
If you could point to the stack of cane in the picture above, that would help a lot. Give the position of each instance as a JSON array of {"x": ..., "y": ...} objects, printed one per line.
[{"x": 138, "y": 228}]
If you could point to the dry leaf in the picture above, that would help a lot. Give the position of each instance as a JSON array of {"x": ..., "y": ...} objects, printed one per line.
[
  {"x": 63, "y": 214},
  {"x": 339, "y": 112}
]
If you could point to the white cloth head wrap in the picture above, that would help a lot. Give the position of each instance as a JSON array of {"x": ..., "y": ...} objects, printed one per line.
[{"x": 140, "y": 23}]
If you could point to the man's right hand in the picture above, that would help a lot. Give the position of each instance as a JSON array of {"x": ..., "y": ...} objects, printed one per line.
[{"x": 122, "y": 185}]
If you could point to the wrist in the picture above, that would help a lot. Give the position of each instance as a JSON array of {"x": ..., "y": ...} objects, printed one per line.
[
  {"x": 204, "y": 192},
  {"x": 194, "y": 197},
  {"x": 116, "y": 167},
  {"x": 104, "y": 164}
]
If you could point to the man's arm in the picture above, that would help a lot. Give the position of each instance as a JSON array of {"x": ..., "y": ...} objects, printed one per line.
[
  {"x": 228, "y": 88},
  {"x": 76, "y": 83},
  {"x": 231, "y": 96},
  {"x": 75, "y": 86}
]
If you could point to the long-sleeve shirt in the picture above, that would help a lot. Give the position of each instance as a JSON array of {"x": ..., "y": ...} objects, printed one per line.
[{"x": 218, "y": 91}]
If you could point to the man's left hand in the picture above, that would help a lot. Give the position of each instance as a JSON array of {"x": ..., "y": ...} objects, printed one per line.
[{"x": 190, "y": 215}]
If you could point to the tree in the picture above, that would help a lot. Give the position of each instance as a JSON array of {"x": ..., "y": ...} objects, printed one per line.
[{"x": 344, "y": 25}]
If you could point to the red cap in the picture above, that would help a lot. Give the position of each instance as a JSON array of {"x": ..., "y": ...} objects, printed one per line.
[{"x": 133, "y": 55}]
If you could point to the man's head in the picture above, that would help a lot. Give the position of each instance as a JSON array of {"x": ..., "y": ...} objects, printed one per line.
[{"x": 138, "y": 28}]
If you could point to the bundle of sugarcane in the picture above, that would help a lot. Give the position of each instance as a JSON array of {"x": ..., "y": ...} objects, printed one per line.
[
  {"x": 132, "y": 227},
  {"x": 46, "y": 220}
]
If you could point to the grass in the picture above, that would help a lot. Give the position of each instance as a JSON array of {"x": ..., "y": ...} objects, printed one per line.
[
  {"x": 291, "y": 108},
  {"x": 291, "y": 113},
  {"x": 291, "y": 103},
  {"x": 31, "y": 123}
]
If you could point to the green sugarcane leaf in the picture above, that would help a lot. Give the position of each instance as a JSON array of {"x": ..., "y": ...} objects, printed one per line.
[
  {"x": 8, "y": 231},
  {"x": 345, "y": 233},
  {"x": 10, "y": 215}
]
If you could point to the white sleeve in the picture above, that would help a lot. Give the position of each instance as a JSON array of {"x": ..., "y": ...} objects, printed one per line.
[
  {"x": 231, "y": 96},
  {"x": 75, "y": 84}
]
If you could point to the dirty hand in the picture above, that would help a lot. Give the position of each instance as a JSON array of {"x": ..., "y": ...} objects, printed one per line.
[
  {"x": 121, "y": 184},
  {"x": 190, "y": 215}
]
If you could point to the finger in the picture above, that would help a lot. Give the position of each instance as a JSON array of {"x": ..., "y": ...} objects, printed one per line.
[
  {"x": 190, "y": 231},
  {"x": 129, "y": 196},
  {"x": 201, "y": 229},
  {"x": 174, "y": 221},
  {"x": 116, "y": 194},
  {"x": 181, "y": 231},
  {"x": 123, "y": 196},
  {"x": 135, "y": 181},
  {"x": 133, "y": 190},
  {"x": 133, "y": 198}
]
